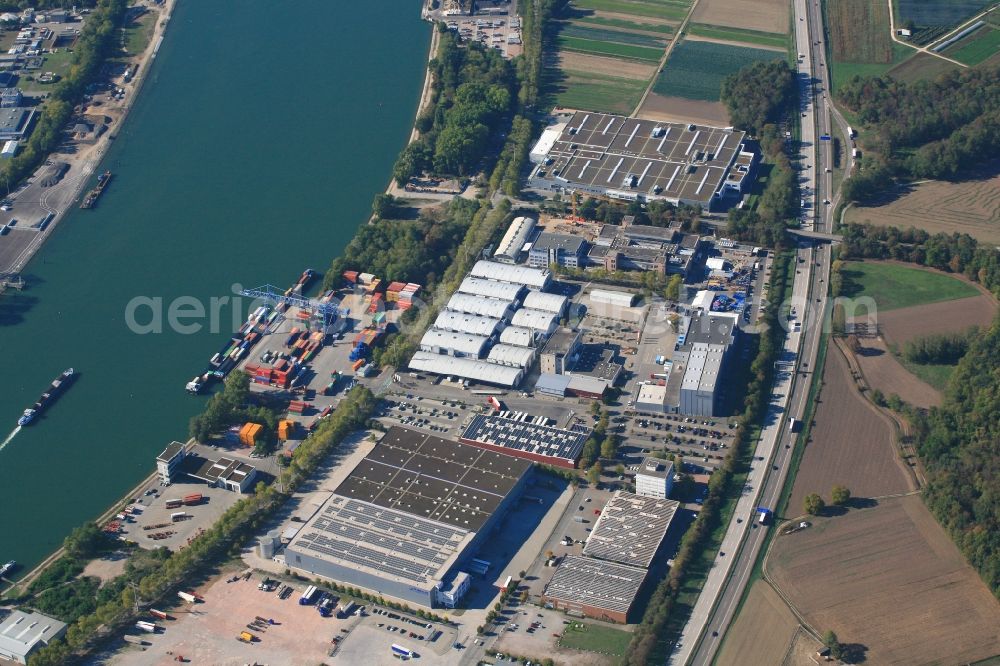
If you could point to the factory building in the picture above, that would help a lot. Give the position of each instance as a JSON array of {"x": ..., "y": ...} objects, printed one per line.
[
  {"x": 557, "y": 249},
  {"x": 654, "y": 478},
  {"x": 519, "y": 335},
  {"x": 539, "y": 300},
  {"x": 460, "y": 322},
  {"x": 512, "y": 243},
  {"x": 408, "y": 519},
  {"x": 702, "y": 378},
  {"x": 495, "y": 308},
  {"x": 530, "y": 437},
  {"x": 632, "y": 159},
  {"x": 630, "y": 529},
  {"x": 560, "y": 352},
  {"x": 512, "y": 355},
  {"x": 537, "y": 320},
  {"x": 503, "y": 290},
  {"x": 23, "y": 632},
  {"x": 439, "y": 341},
  {"x": 533, "y": 278},
  {"x": 476, "y": 370},
  {"x": 620, "y": 299},
  {"x": 600, "y": 590}
]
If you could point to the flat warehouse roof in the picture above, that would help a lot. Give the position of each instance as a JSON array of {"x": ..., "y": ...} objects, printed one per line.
[
  {"x": 606, "y": 585},
  {"x": 663, "y": 159},
  {"x": 390, "y": 543},
  {"x": 434, "y": 478},
  {"x": 520, "y": 435},
  {"x": 630, "y": 529}
]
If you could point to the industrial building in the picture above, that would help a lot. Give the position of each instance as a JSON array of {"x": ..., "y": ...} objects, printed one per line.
[
  {"x": 559, "y": 354},
  {"x": 232, "y": 475},
  {"x": 495, "y": 308},
  {"x": 480, "y": 371},
  {"x": 512, "y": 355},
  {"x": 507, "y": 291},
  {"x": 14, "y": 122},
  {"x": 620, "y": 299},
  {"x": 168, "y": 462},
  {"x": 540, "y": 300},
  {"x": 439, "y": 341},
  {"x": 595, "y": 588},
  {"x": 519, "y": 335},
  {"x": 460, "y": 322},
  {"x": 630, "y": 529},
  {"x": 557, "y": 249},
  {"x": 654, "y": 478},
  {"x": 533, "y": 278},
  {"x": 632, "y": 159},
  {"x": 23, "y": 632},
  {"x": 541, "y": 321},
  {"x": 581, "y": 386},
  {"x": 524, "y": 436},
  {"x": 700, "y": 386},
  {"x": 408, "y": 517},
  {"x": 512, "y": 243}
]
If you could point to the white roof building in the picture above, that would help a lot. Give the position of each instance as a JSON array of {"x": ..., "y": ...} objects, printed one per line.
[
  {"x": 481, "y": 371},
  {"x": 540, "y": 152},
  {"x": 491, "y": 288},
  {"x": 450, "y": 342},
  {"x": 480, "y": 305},
  {"x": 514, "y": 239},
  {"x": 532, "y": 278},
  {"x": 518, "y": 335},
  {"x": 518, "y": 357},
  {"x": 539, "y": 300},
  {"x": 538, "y": 320},
  {"x": 620, "y": 298},
  {"x": 22, "y": 632},
  {"x": 651, "y": 398},
  {"x": 449, "y": 320}
]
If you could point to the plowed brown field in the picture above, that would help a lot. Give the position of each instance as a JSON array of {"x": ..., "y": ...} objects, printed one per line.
[
  {"x": 890, "y": 579},
  {"x": 763, "y": 631},
  {"x": 762, "y": 15},
  {"x": 885, "y": 373},
  {"x": 658, "y": 107},
  {"x": 851, "y": 444},
  {"x": 904, "y": 324}
]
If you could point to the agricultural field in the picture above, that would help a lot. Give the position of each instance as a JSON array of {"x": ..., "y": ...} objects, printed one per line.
[
  {"x": 977, "y": 47},
  {"x": 610, "y": 22},
  {"x": 859, "y": 42},
  {"x": 889, "y": 580},
  {"x": 971, "y": 206},
  {"x": 695, "y": 69},
  {"x": 763, "y": 630},
  {"x": 938, "y": 12},
  {"x": 921, "y": 67},
  {"x": 598, "y": 92},
  {"x": 615, "y": 49},
  {"x": 674, "y": 10},
  {"x": 897, "y": 285},
  {"x": 769, "y": 16},
  {"x": 595, "y": 638},
  {"x": 885, "y": 372},
  {"x": 736, "y": 35},
  {"x": 901, "y": 325},
  {"x": 679, "y": 109},
  {"x": 617, "y": 36},
  {"x": 850, "y": 444}
]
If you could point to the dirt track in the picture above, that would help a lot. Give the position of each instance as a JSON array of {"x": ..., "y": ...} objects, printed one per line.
[
  {"x": 890, "y": 579},
  {"x": 851, "y": 444}
]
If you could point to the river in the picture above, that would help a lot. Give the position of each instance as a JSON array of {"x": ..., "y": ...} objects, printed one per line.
[{"x": 253, "y": 152}]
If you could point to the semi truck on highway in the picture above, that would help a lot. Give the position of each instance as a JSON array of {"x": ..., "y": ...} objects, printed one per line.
[{"x": 763, "y": 515}]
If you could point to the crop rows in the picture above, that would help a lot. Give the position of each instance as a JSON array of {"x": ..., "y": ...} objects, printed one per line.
[
  {"x": 696, "y": 69},
  {"x": 601, "y": 35}
]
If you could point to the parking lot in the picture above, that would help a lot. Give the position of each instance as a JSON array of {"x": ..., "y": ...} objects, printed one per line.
[
  {"x": 537, "y": 634},
  {"x": 501, "y": 32},
  {"x": 152, "y": 526},
  {"x": 699, "y": 439}
]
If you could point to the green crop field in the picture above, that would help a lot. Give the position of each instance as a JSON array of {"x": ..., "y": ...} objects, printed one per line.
[
  {"x": 938, "y": 12},
  {"x": 845, "y": 71},
  {"x": 739, "y": 35},
  {"x": 665, "y": 10},
  {"x": 696, "y": 70},
  {"x": 894, "y": 286},
  {"x": 598, "y": 92},
  {"x": 610, "y": 49},
  {"x": 595, "y": 638},
  {"x": 604, "y": 35},
  {"x": 977, "y": 47},
  {"x": 625, "y": 25},
  {"x": 921, "y": 67}
]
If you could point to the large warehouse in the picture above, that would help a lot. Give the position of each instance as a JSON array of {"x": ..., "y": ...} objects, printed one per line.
[
  {"x": 601, "y": 590},
  {"x": 630, "y": 529},
  {"x": 532, "y": 278},
  {"x": 476, "y": 370},
  {"x": 642, "y": 160},
  {"x": 513, "y": 241},
  {"x": 523, "y": 436},
  {"x": 408, "y": 516}
]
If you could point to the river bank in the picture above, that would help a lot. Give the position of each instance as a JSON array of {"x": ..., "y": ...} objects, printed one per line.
[{"x": 82, "y": 160}]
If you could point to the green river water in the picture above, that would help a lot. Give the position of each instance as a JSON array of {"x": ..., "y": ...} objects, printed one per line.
[{"x": 252, "y": 153}]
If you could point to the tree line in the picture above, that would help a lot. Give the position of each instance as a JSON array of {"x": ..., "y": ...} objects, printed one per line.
[
  {"x": 956, "y": 252},
  {"x": 721, "y": 488},
  {"x": 924, "y": 129},
  {"x": 98, "y": 40},
  {"x": 939, "y": 348},
  {"x": 759, "y": 94}
]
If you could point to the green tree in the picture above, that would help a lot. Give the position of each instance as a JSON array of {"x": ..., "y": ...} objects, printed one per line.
[
  {"x": 384, "y": 206},
  {"x": 831, "y": 641},
  {"x": 673, "y": 291},
  {"x": 594, "y": 473},
  {"x": 609, "y": 447},
  {"x": 84, "y": 541},
  {"x": 840, "y": 495},
  {"x": 814, "y": 504}
]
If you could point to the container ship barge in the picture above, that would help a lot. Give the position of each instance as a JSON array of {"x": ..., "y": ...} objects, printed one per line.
[
  {"x": 92, "y": 196},
  {"x": 58, "y": 386},
  {"x": 248, "y": 335}
]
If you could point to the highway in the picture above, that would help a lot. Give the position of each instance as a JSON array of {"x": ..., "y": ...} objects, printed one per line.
[{"x": 716, "y": 607}]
